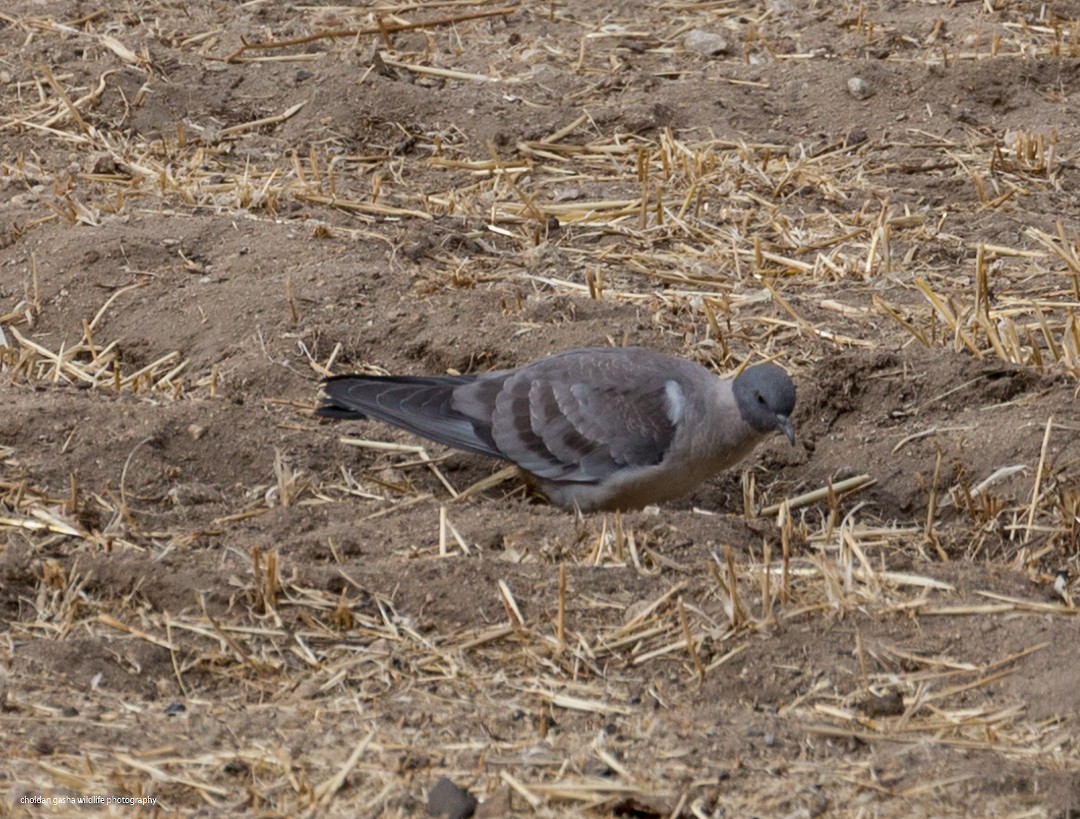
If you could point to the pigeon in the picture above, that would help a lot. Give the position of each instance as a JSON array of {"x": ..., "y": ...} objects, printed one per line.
[{"x": 601, "y": 429}]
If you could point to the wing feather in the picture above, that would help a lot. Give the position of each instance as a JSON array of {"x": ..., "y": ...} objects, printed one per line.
[{"x": 423, "y": 405}]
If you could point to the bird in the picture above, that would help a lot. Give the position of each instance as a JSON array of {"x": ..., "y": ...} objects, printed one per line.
[{"x": 596, "y": 429}]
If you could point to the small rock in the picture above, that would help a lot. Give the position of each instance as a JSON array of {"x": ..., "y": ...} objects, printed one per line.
[
  {"x": 707, "y": 43},
  {"x": 886, "y": 705},
  {"x": 192, "y": 494},
  {"x": 447, "y": 800},
  {"x": 196, "y": 431},
  {"x": 855, "y": 137},
  {"x": 24, "y": 200},
  {"x": 1061, "y": 585},
  {"x": 307, "y": 691},
  {"x": 858, "y": 88},
  {"x": 495, "y": 806},
  {"x": 101, "y": 163}
]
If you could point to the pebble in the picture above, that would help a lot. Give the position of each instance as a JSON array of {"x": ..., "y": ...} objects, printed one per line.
[
  {"x": 858, "y": 88},
  {"x": 447, "y": 800},
  {"x": 707, "y": 43}
]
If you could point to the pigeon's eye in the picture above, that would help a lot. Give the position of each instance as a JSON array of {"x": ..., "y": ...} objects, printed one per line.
[{"x": 760, "y": 398}]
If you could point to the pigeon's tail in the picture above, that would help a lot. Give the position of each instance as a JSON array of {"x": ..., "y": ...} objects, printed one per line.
[{"x": 423, "y": 405}]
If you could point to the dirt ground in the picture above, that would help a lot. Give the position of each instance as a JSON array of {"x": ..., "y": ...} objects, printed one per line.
[{"x": 213, "y": 604}]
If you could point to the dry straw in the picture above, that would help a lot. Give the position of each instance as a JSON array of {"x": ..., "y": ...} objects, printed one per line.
[{"x": 335, "y": 698}]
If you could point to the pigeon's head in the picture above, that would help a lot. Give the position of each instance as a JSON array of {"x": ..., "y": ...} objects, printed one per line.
[{"x": 765, "y": 395}]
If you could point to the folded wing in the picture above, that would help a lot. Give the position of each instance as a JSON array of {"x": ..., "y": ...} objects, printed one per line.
[{"x": 579, "y": 417}]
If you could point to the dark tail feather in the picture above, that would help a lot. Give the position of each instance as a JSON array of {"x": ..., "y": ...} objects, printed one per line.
[
  {"x": 330, "y": 410},
  {"x": 423, "y": 405},
  {"x": 383, "y": 396}
]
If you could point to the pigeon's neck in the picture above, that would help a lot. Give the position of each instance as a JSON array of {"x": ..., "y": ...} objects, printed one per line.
[{"x": 726, "y": 437}]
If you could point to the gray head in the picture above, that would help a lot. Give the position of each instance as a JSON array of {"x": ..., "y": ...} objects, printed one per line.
[{"x": 766, "y": 398}]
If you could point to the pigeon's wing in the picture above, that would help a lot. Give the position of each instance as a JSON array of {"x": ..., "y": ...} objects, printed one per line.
[
  {"x": 582, "y": 416},
  {"x": 423, "y": 405}
]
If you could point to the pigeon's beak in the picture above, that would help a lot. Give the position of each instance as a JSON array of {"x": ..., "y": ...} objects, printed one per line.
[{"x": 783, "y": 423}]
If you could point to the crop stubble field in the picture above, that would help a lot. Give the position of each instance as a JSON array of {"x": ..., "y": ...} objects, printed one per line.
[{"x": 212, "y": 599}]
